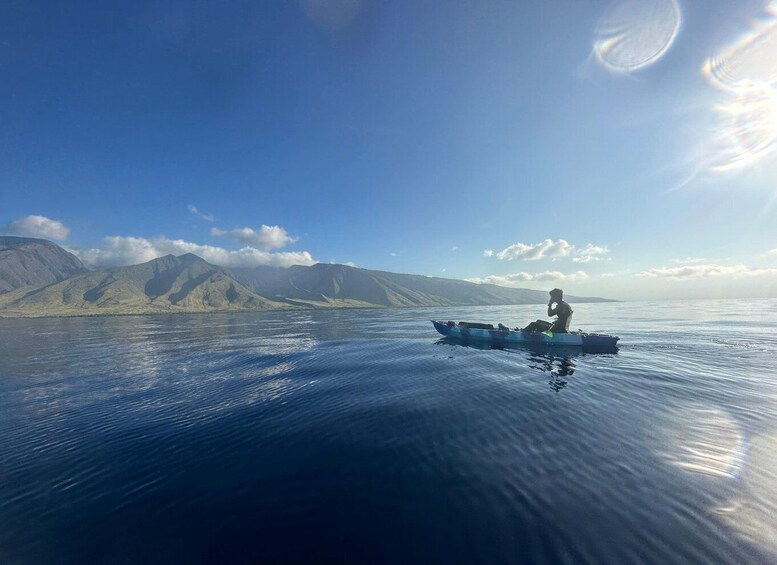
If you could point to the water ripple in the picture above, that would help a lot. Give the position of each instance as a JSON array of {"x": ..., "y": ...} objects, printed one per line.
[{"x": 173, "y": 438}]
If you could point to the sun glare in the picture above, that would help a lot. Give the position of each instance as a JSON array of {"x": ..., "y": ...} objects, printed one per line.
[
  {"x": 745, "y": 127},
  {"x": 752, "y": 508},
  {"x": 707, "y": 441}
]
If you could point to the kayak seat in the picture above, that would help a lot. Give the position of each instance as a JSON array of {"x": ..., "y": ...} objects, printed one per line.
[{"x": 538, "y": 326}]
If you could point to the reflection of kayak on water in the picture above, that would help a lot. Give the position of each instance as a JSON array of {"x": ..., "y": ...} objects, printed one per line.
[{"x": 503, "y": 336}]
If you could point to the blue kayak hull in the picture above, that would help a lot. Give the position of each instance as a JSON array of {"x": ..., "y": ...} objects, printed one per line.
[{"x": 506, "y": 338}]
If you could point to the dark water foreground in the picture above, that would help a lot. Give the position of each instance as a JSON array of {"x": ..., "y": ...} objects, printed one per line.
[{"x": 360, "y": 436}]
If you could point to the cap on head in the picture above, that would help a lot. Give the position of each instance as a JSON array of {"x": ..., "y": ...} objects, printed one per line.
[{"x": 556, "y": 293}]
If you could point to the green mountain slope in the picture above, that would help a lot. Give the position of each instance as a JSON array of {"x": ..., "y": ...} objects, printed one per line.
[
  {"x": 42, "y": 279},
  {"x": 168, "y": 284},
  {"x": 25, "y": 261}
]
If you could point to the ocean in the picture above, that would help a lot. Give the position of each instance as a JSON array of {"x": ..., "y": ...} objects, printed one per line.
[{"x": 363, "y": 436}]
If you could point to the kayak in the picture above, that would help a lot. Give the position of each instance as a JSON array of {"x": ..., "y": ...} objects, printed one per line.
[{"x": 504, "y": 337}]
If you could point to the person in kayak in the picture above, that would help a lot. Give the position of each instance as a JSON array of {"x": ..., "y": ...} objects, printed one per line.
[{"x": 562, "y": 310}]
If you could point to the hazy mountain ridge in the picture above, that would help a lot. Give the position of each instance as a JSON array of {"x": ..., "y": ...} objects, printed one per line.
[
  {"x": 330, "y": 284},
  {"x": 188, "y": 283},
  {"x": 25, "y": 261}
]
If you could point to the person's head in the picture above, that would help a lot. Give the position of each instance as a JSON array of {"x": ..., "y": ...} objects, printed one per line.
[{"x": 556, "y": 294}]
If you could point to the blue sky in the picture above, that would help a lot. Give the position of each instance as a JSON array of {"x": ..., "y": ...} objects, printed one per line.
[{"x": 583, "y": 144}]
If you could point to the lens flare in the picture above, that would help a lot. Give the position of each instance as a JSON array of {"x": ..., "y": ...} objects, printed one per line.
[
  {"x": 633, "y": 34},
  {"x": 745, "y": 128},
  {"x": 752, "y": 58},
  {"x": 751, "y": 511},
  {"x": 703, "y": 440}
]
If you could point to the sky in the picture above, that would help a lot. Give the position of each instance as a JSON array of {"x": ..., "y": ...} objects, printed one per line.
[{"x": 625, "y": 149}]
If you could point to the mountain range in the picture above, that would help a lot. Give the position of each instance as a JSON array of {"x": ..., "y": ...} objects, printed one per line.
[{"x": 39, "y": 278}]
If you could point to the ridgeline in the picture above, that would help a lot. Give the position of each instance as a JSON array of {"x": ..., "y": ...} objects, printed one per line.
[{"x": 39, "y": 278}]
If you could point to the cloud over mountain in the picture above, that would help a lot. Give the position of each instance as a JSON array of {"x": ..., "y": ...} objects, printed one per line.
[
  {"x": 118, "y": 250},
  {"x": 38, "y": 226},
  {"x": 266, "y": 237},
  {"x": 516, "y": 279}
]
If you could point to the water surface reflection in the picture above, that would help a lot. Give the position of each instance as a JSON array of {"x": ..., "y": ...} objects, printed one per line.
[{"x": 557, "y": 362}]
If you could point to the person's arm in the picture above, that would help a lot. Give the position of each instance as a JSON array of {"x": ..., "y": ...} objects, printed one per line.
[{"x": 551, "y": 310}]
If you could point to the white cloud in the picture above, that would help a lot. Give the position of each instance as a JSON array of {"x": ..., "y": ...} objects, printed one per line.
[
  {"x": 266, "y": 237},
  {"x": 689, "y": 260},
  {"x": 532, "y": 252},
  {"x": 591, "y": 249},
  {"x": 117, "y": 250},
  {"x": 550, "y": 249},
  {"x": 590, "y": 253},
  {"x": 393, "y": 254},
  {"x": 516, "y": 279},
  {"x": 688, "y": 272},
  {"x": 502, "y": 280},
  {"x": 38, "y": 226},
  {"x": 772, "y": 251},
  {"x": 207, "y": 217},
  {"x": 589, "y": 259}
]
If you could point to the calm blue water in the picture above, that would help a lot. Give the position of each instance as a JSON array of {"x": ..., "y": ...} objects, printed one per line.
[{"x": 360, "y": 436}]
